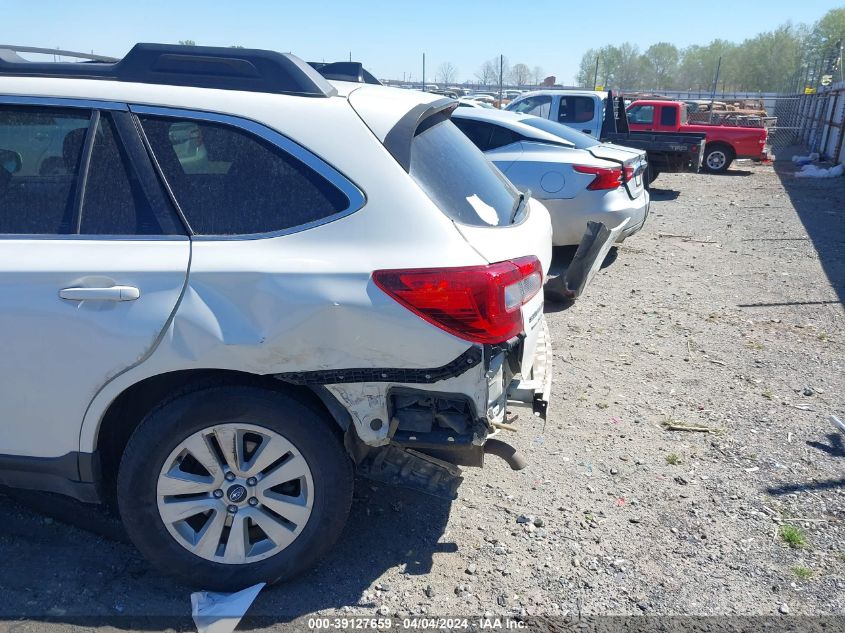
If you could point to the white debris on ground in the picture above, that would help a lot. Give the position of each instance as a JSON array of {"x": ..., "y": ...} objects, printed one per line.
[
  {"x": 221, "y": 612},
  {"x": 812, "y": 171},
  {"x": 803, "y": 160}
]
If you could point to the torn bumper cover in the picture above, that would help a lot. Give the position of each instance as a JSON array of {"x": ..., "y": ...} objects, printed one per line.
[{"x": 588, "y": 259}]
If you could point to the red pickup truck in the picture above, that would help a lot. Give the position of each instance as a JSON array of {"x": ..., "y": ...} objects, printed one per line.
[{"x": 724, "y": 143}]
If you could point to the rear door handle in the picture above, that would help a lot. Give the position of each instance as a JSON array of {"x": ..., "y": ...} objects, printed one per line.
[{"x": 113, "y": 293}]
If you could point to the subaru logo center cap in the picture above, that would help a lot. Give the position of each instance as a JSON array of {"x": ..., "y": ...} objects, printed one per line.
[{"x": 237, "y": 493}]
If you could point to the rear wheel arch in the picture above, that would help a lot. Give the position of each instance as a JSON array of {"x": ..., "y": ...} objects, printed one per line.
[{"x": 128, "y": 409}]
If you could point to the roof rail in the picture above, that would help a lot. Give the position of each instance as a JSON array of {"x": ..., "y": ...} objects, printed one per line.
[
  {"x": 345, "y": 71},
  {"x": 50, "y": 51},
  {"x": 252, "y": 70}
]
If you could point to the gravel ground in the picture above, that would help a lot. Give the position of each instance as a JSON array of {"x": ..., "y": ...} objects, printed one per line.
[{"x": 725, "y": 312}]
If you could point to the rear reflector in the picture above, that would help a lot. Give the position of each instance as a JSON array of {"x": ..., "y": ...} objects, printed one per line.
[
  {"x": 481, "y": 304},
  {"x": 605, "y": 177}
]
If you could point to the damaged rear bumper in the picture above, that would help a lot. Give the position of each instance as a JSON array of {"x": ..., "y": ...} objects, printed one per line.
[
  {"x": 415, "y": 427},
  {"x": 592, "y": 250},
  {"x": 535, "y": 391}
]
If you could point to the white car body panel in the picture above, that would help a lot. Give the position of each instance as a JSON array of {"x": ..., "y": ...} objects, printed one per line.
[{"x": 58, "y": 353}]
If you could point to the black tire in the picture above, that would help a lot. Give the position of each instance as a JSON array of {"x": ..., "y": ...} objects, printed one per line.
[
  {"x": 312, "y": 433},
  {"x": 717, "y": 158}
]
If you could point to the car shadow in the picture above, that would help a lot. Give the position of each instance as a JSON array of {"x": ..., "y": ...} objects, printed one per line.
[
  {"x": 820, "y": 205},
  {"x": 663, "y": 195},
  {"x": 729, "y": 172},
  {"x": 56, "y": 573}
]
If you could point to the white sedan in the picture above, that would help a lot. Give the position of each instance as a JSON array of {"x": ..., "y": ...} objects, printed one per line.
[{"x": 576, "y": 177}]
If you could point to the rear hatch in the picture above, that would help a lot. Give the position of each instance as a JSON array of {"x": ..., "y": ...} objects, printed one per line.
[{"x": 498, "y": 221}]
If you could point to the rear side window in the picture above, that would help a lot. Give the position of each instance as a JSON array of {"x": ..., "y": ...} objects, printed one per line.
[
  {"x": 230, "y": 182},
  {"x": 642, "y": 114},
  {"x": 486, "y": 136},
  {"x": 458, "y": 178},
  {"x": 539, "y": 105},
  {"x": 40, "y": 150},
  {"x": 668, "y": 115},
  {"x": 576, "y": 110}
]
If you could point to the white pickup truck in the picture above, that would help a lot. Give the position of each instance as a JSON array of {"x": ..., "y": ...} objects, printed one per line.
[{"x": 602, "y": 115}]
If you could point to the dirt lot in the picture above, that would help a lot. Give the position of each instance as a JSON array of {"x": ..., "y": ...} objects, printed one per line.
[{"x": 739, "y": 329}]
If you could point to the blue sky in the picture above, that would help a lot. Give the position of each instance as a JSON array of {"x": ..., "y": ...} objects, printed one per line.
[{"x": 389, "y": 36}]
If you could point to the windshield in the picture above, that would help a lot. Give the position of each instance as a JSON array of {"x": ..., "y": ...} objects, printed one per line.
[
  {"x": 458, "y": 178},
  {"x": 579, "y": 140}
]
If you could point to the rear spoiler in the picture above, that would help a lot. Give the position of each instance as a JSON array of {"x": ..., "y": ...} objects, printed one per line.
[
  {"x": 615, "y": 116},
  {"x": 398, "y": 140},
  {"x": 345, "y": 71}
]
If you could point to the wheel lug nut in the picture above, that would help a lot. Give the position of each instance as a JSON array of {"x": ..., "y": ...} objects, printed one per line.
[
  {"x": 253, "y": 501},
  {"x": 233, "y": 509},
  {"x": 251, "y": 481},
  {"x": 218, "y": 493},
  {"x": 230, "y": 476}
]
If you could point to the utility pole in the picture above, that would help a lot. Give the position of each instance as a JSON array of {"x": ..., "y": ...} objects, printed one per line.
[
  {"x": 350, "y": 55},
  {"x": 423, "y": 75},
  {"x": 715, "y": 85},
  {"x": 596, "y": 74},
  {"x": 501, "y": 78}
]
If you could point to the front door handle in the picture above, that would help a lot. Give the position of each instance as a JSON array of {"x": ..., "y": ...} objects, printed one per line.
[{"x": 113, "y": 293}]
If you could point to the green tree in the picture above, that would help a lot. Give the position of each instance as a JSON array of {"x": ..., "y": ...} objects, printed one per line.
[
  {"x": 187, "y": 42},
  {"x": 660, "y": 65}
]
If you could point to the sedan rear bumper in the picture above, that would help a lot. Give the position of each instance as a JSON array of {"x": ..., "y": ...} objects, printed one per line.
[{"x": 571, "y": 215}]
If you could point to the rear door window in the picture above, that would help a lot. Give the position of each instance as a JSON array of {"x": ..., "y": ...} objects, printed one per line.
[
  {"x": 40, "y": 150},
  {"x": 118, "y": 200},
  {"x": 228, "y": 181},
  {"x": 457, "y": 177},
  {"x": 576, "y": 109},
  {"x": 668, "y": 116}
]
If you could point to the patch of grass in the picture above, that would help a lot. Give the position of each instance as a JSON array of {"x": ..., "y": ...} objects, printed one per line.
[
  {"x": 602, "y": 405},
  {"x": 822, "y": 336},
  {"x": 842, "y": 556},
  {"x": 754, "y": 345},
  {"x": 804, "y": 573},
  {"x": 768, "y": 394},
  {"x": 793, "y": 536},
  {"x": 673, "y": 459}
]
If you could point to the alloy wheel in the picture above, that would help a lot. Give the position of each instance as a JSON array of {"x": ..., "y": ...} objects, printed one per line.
[{"x": 235, "y": 493}]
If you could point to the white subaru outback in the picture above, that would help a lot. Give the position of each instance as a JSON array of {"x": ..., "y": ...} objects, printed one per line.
[{"x": 226, "y": 284}]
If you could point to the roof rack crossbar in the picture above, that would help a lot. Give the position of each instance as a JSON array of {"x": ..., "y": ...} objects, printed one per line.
[{"x": 251, "y": 70}]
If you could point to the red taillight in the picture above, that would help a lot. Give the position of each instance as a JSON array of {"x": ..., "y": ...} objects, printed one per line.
[
  {"x": 605, "y": 177},
  {"x": 477, "y": 303},
  {"x": 628, "y": 172}
]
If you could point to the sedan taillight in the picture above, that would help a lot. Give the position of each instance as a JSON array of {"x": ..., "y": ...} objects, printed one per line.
[{"x": 605, "y": 177}]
